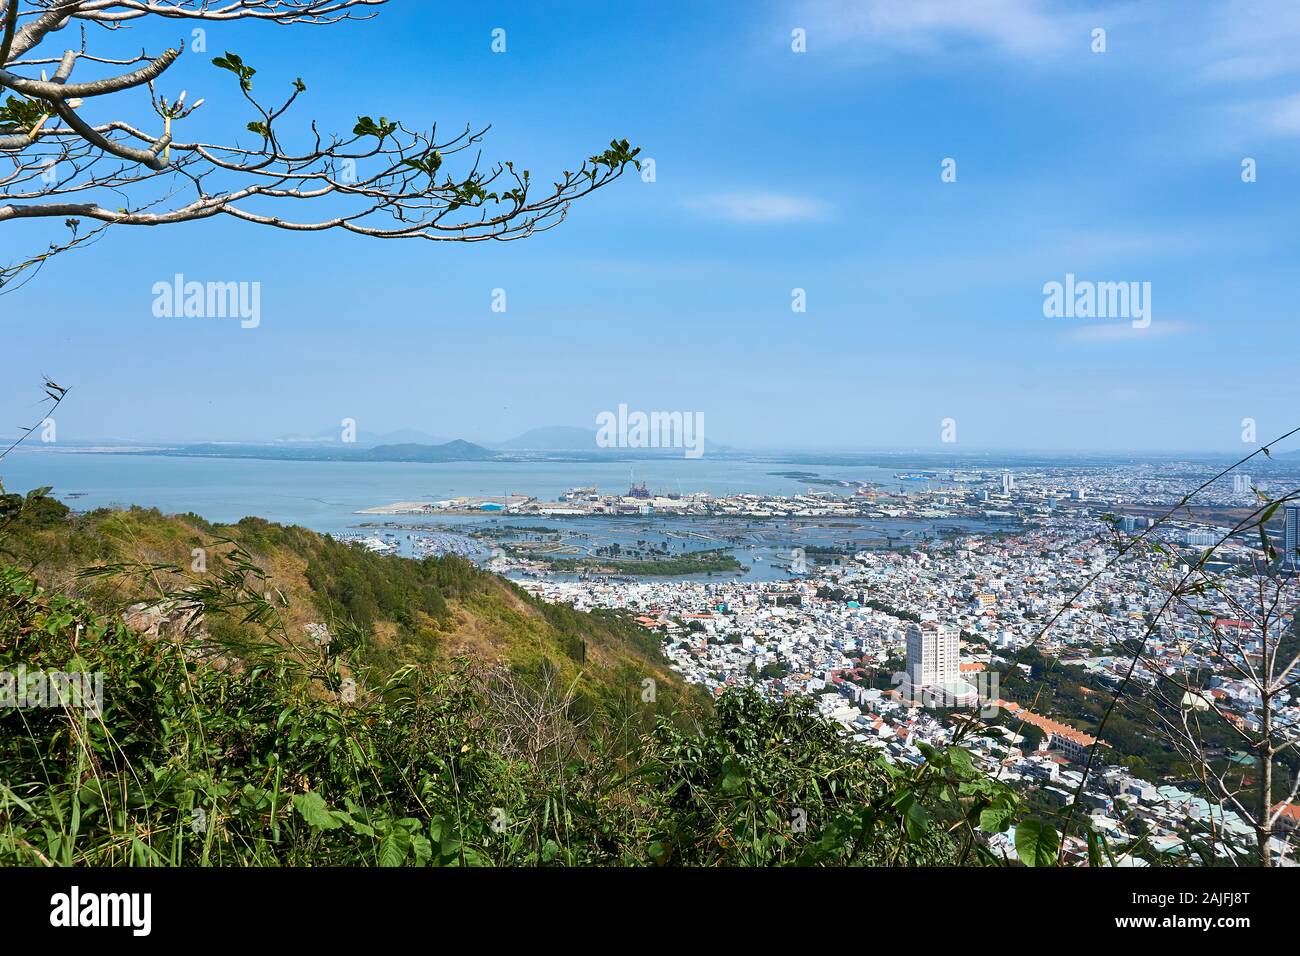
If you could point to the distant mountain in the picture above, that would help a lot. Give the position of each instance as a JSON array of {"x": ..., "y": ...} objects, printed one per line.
[
  {"x": 458, "y": 450},
  {"x": 406, "y": 436},
  {"x": 552, "y": 438},
  {"x": 555, "y": 441},
  {"x": 366, "y": 439},
  {"x": 573, "y": 438}
]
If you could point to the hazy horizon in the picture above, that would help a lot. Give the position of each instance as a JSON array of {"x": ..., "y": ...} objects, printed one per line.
[{"x": 1289, "y": 447}]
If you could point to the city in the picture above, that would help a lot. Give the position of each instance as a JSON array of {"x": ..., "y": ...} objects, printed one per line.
[{"x": 835, "y": 631}]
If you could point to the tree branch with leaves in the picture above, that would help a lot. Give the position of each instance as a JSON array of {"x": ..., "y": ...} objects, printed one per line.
[{"x": 71, "y": 148}]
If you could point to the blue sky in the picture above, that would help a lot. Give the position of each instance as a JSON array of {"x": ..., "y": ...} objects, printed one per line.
[{"x": 775, "y": 170}]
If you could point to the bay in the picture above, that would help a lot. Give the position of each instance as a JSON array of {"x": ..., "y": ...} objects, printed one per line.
[{"x": 324, "y": 495}]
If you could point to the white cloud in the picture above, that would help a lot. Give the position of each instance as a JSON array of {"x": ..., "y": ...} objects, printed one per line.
[
  {"x": 1249, "y": 48},
  {"x": 1262, "y": 117},
  {"x": 759, "y": 207},
  {"x": 1123, "y": 242},
  {"x": 927, "y": 26},
  {"x": 1249, "y": 67},
  {"x": 1121, "y": 330},
  {"x": 1252, "y": 39},
  {"x": 1282, "y": 115}
]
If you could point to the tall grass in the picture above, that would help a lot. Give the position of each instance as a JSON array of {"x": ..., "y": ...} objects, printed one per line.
[{"x": 261, "y": 762}]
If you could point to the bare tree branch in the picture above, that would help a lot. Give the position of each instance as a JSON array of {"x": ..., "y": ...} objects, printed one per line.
[{"x": 383, "y": 179}]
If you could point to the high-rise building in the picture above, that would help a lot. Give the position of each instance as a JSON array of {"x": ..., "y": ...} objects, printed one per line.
[
  {"x": 1241, "y": 484},
  {"x": 1008, "y": 482},
  {"x": 932, "y": 651},
  {"x": 1290, "y": 538}
]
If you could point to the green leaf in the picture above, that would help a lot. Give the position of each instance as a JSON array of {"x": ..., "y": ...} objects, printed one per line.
[
  {"x": 366, "y": 126},
  {"x": 733, "y": 775},
  {"x": 551, "y": 849},
  {"x": 422, "y": 847},
  {"x": 1036, "y": 842},
  {"x": 235, "y": 64},
  {"x": 960, "y": 760},
  {"x": 21, "y": 113},
  {"x": 428, "y": 163},
  {"x": 1094, "y": 849},
  {"x": 995, "y": 819},
  {"x": 359, "y": 827},
  {"x": 313, "y": 809},
  {"x": 394, "y": 846},
  {"x": 916, "y": 820}
]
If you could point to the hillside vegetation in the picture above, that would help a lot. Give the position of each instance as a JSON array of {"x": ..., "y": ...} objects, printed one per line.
[
  {"x": 396, "y": 611},
  {"x": 447, "y": 720}
]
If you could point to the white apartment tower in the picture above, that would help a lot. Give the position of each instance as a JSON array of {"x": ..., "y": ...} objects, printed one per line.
[
  {"x": 1008, "y": 482},
  {"x": 1290, "y": 549},
  {"x": 932, "y": 655}
]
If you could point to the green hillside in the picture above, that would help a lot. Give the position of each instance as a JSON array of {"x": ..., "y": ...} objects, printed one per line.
[
  {"x": 396, "y": 611},
  {"x": 448, "y": 720}
]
